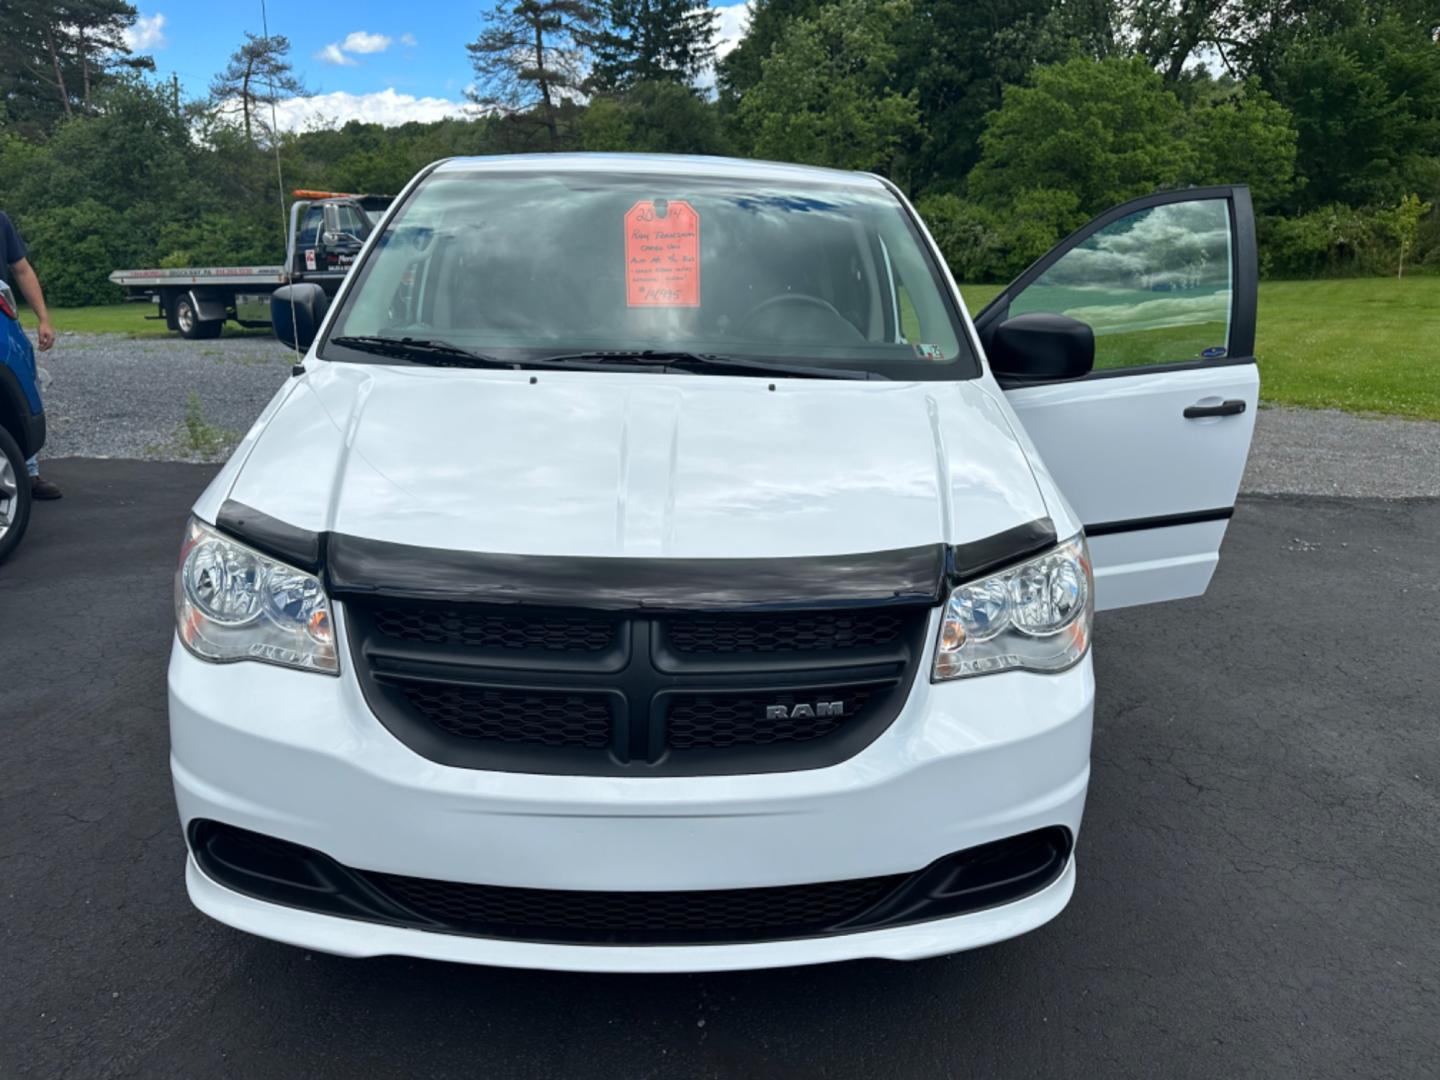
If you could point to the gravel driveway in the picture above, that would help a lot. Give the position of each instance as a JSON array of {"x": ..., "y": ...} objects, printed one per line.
[
  {"x": 166, "y": 399},
  {"x": 157, "y": 399}
]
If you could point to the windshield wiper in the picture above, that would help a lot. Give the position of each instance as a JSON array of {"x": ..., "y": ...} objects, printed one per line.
[
  {"x": 425, "y": 351},
  {"x": 707, "y": 363}
]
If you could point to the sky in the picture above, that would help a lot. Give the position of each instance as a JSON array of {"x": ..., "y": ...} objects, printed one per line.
[{"x": 380, "y": 62}]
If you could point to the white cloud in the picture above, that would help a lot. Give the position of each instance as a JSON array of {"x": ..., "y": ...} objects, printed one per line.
[
  {"x": 383, "y": 107},
  {"x": 408, "y": 39},
  {"x": 358, "y": 41},
  {"x": 146, "y": 34},
  {"x": 331, "y": 54},
  {"x": 731, "y": 27},
  {"x": 342, "y": 53}
]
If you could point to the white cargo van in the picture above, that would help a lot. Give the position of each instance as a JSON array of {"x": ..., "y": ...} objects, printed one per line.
[{"x": 651, "y": 567}]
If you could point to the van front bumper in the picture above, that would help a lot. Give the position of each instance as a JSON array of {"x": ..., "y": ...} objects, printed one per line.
[{"x": 299, "y": 757}]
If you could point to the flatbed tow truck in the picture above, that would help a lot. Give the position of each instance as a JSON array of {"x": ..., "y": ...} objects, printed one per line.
[{"x": 327, "y": 229}]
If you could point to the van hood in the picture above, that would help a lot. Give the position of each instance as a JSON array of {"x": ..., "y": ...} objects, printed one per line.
[{"x": 637, "y": 464}]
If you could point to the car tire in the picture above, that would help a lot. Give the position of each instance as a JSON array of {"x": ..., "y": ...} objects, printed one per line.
[
  {"x": 189, "y": 323},
  {"x": 14, "y": 494}
]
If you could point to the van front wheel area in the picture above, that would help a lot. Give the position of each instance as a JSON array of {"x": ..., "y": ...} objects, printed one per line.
[
  {"x": 14, "y": 494},
  {"x": 189, "y": 323}
]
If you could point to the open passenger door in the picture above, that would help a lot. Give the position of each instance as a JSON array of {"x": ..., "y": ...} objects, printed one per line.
[{"x": 1150, "y": 446}]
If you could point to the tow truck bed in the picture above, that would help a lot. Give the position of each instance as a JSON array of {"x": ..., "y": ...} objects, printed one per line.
[{"x": 208, "y": 275}]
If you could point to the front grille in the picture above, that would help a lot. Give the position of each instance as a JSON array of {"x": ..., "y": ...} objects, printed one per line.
[
  {"x": 717, "y": 721},
  {"x": 514, "y": 716},
  {"x": 495, "y": 630},
  {"x": 547, "y": 690},
  {"x": 768, "y": 633},
  {"x": 280, "y": 872}
]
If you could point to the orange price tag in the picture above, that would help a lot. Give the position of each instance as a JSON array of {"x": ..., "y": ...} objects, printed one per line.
[{"x": 662, "y": 255}]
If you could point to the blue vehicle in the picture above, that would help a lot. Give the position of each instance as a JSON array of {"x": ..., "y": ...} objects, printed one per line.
[{"x": 22, "y": 423}]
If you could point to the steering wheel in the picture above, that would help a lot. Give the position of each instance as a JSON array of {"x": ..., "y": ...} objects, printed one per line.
[{"x": 791, "y": 298}]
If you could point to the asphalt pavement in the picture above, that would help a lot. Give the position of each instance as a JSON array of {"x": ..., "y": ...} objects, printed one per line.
[{"x": 1259, "y": 871}]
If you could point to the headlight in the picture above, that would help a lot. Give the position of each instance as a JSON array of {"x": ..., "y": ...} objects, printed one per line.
[
  {"x": 233, "y": 603},
  {"x": 1035, "y": 616}
]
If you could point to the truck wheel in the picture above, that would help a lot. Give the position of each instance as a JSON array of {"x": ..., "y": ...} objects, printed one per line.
[
  {"x": 14, "y": 495},
  {"x": 189, "y": 323}
]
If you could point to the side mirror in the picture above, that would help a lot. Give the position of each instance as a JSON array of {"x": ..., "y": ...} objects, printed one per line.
[
  {"x": 1041, "y": 345},
  {"x": 296, "y": 312}
]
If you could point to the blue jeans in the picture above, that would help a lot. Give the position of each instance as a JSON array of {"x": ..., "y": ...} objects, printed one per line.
[{"x": 32, "y": 466}]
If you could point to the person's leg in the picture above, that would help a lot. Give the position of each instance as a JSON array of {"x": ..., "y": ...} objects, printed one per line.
[{"x": 40, "y": 489}]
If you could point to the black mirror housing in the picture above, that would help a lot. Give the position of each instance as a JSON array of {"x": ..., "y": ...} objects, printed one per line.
[
  {"x": 296, "y": 312},
  {"x": 1041, "y": 345}
]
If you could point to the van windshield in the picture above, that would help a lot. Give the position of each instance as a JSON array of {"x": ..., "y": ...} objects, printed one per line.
[{"x": 525, "y": 266}]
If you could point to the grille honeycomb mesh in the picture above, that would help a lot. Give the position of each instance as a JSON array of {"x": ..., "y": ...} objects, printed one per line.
[
  {"x": 509, "y": 912},
  {"x": 808, "y": 632},
  {"x": 515, "y": 716},
  {"x": 478, "y": 629},
  {"x": 718, "y": 721}
]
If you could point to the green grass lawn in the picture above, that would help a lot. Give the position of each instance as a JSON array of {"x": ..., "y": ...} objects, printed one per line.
[
  {"x": 128, "y": 319},
  {"x": 1366, "y": 345}
]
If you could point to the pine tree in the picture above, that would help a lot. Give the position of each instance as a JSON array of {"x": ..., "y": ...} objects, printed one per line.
[
  {"x": 654, "y": 41},
  {"x": 258, "y": 74},
  {"x": 531, "y": 55},
  {"x": 54, "y": 55}
]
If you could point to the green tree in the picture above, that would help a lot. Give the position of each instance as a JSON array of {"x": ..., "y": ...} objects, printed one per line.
[
  {"x": 1167, "y": 33},
  {"x": 653, "y": 117},
  {"x": 989, "y": 243},
  {"x": 531, "y": 56},
  {"x": 958, "y": 57},
  {"x": 1241, "y": 134},
  {"x": 824, "y": 94},
  {"x": 1404, "y": 226},
  {"x": 55, "y": 56},
  {"x": 1104, "y": 131},
  {"x": 769, "y": 19},
  {"x": 1366, "y": 102},
  {"x": 654, "y": 41},
  {"x": 258, "y": 74},
  {"x": 96, "y": 33}
]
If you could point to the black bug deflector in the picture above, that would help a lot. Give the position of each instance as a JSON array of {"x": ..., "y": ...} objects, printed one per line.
[{"x": 605, "y": 666}]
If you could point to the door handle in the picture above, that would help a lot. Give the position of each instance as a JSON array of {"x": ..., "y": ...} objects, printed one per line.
[{"x": 1226, "y": 408}]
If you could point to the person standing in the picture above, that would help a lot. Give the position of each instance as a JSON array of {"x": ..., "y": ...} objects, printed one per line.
[{"x": 16, "y": 269}]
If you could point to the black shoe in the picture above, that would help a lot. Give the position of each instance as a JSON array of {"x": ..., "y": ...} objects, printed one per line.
[{"x": 44, "y": 489}]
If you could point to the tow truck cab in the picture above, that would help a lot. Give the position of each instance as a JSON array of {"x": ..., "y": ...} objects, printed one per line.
[{"x": 327, "y": 231}]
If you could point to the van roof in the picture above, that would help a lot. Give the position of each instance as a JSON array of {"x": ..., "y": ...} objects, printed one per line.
[{"x": 672, "y": 164}]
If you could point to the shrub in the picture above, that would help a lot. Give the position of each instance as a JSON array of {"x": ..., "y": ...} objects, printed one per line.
[
  {"x": 74, "y": 250},
  {"x": 981, "y": 244},
  {"x": 1339, "y": 241}
]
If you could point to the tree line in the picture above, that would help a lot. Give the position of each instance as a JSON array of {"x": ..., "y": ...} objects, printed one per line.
[{"x": 1009, "y": 122}]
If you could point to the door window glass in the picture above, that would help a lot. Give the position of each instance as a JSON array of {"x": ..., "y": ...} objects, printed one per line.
[
  {"x": 348, "y": 221},
  {"x": 1155, "y": 286},
  {"x": 310, "y": 228}
]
